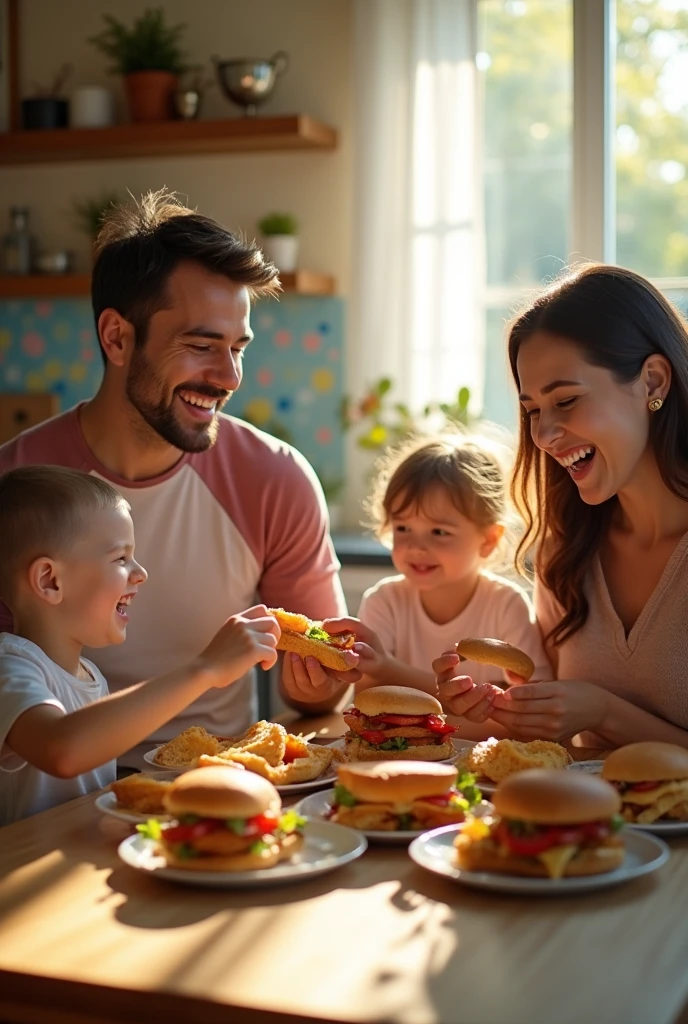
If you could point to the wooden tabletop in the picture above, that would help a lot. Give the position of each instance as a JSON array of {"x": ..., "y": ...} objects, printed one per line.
[{"x": 85, "y": 939}]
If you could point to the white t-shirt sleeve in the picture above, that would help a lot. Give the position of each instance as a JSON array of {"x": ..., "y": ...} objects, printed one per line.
[
  {"x": 377, "y": 612},
  {"x": 22, "y": 686},
  {"x": 520, "y": 629}
]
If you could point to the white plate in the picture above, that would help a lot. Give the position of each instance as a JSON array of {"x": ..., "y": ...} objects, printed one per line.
[
  {"x": 326, "y": 847},
  {"x": 292, "y": 787},
  {"x": 589, "y": 767},
  {"x": 107, "y": 804},
  {"x": 435, "y": 851},
  {"x": 318, "y": 804}
]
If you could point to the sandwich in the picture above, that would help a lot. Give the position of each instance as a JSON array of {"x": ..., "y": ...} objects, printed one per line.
[
  {"x": 651, "y": 779},
  {"x": 225, "y": 820},
  {"x": 401, "y": 796},
  {"x": 496, "y": 652},
  {"x": 397, "y": 723},
  {"x": 309, "y": 640},
  {"x": 548, "y": 824},
  {"x": 497, "y": 759}
]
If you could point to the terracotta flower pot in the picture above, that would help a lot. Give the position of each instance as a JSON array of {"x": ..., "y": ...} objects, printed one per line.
[{"x": 151, "y": 95}]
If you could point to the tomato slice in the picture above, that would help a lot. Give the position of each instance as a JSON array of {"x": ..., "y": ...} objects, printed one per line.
[
  {"x": 644, "y": 787},
  {"x": 402, "y": 719},
  {"x": 537, "y": 842},
  {"x": 187, "y": 833},
  {"x": 437, "y": 725},
  {"x": 438, "y": 801},
  {"x": 374, "y": 736},
  {"x": 264, "y": 824}
]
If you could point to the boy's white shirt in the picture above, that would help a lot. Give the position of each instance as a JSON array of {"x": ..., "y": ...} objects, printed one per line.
[
  {"x": 28, "y": 678},
  {"x": 499, "y": 609}
]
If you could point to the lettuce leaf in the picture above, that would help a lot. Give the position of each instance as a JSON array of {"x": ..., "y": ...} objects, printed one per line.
[{"x": 151, "y": 830}]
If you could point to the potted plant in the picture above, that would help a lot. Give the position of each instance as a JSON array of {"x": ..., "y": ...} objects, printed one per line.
[
  {"x": 149, "y": 56},
  {"x": 280, "y": 242}
]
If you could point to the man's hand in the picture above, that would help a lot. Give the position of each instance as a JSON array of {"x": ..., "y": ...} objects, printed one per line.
[
  {"x": 245, "y": 640},
  {"x": 309, "y": 682}
]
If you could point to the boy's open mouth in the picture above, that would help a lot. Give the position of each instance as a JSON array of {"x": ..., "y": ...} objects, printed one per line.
[{"x": 123, "y": 604}]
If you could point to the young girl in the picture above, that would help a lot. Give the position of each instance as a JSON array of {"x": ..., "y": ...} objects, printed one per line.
[{"x": 441, "y": 503}]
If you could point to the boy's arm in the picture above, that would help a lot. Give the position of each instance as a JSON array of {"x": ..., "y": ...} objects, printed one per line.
[{"x": 66, "y": 745}]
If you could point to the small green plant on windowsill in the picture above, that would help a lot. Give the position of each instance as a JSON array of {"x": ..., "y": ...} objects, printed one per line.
[{"x": 380, "y": 421}]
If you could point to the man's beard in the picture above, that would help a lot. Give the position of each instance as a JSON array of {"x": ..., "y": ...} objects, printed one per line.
[{"x": 155, "y": 403}]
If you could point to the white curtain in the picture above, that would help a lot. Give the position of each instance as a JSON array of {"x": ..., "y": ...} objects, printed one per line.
[{"x": 417, "y": 312}]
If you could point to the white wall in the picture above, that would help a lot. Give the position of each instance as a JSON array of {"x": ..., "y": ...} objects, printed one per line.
[{"x": 236, "y": 190}]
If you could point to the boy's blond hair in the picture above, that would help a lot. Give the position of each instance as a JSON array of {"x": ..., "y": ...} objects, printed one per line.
[
  {"x": 471, "y": 469},
  {"x": 43, "y": 509}
]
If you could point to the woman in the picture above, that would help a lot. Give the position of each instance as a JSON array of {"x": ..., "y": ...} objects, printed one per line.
[{"x": 601, "y": 477}]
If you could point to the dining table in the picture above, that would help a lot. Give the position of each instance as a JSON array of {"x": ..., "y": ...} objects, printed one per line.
[{"x": 87, "y": 939}]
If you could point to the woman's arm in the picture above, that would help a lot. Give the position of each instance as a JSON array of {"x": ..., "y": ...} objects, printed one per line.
[{"x": 560, "y": 710}]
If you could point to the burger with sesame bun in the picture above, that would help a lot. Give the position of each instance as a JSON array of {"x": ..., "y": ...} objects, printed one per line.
[
  {"x": 548, "y": 823},
  {"x": 397, "y": 723},
  {"x": 652, "y": 780},
  {"x": 391, "y": 796},
  {"x": 225, "y": 820}
]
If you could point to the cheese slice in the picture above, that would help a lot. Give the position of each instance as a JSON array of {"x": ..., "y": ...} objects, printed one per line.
[
  {"x": 556, "y": 859},
  {"x": 650, "y": 796}
]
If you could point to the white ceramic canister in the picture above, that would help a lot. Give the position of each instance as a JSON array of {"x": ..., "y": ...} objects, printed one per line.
[{"x": 91, "y": 107}]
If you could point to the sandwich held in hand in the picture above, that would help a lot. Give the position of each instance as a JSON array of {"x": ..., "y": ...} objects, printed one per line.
[
  {"x": 390, "y": 796},
  {"x": 652, "y": 780},
  {"x": 496, "y": 652},
  {"x": 496, "y": 759},
  {"x": 309, "y": 640},
  {"x": 225, "y": 820},
  {"x": 548, "y": 824},
  {"x": 397, "y": 722}
]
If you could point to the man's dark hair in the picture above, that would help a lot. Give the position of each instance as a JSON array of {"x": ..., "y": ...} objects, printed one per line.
[{"x": 142, "y": 242}]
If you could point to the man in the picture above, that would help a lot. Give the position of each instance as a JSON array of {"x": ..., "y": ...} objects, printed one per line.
[{"x": 221, "y": 511}]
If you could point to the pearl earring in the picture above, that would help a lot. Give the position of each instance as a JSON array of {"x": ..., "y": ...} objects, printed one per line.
[{"x": 655, "y": 405}]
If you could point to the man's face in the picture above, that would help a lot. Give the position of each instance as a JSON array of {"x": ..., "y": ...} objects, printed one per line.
[{"x": 191, "y": 361}]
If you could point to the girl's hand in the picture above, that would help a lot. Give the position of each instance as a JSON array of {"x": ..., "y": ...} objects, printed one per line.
[
  {"x": 550, "y": 711},
  {"x": 245, "y": 640},
  {"x": 373, "y": 660},
  {"x": 459, "y": 694}
]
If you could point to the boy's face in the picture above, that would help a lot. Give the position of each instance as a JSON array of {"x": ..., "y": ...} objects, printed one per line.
[{"x": 99, "y": 578}]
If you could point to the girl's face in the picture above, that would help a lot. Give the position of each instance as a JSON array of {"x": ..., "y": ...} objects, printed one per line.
[
  {"x": 434, "y": 544},
  {"x": 594, "y": 427}
]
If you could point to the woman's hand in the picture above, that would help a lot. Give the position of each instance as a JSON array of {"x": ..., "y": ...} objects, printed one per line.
[
  {"x": 550, "y": 711},
  {"x": 459, "y": 694}
]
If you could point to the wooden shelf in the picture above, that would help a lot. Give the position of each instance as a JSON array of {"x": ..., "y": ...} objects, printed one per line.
[
  {"x": 65, "y": 286},
  {"x": 167, "y": 138}
]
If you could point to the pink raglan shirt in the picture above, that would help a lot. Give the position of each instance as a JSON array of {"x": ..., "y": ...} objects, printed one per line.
[{"x": 244, "y": 521}]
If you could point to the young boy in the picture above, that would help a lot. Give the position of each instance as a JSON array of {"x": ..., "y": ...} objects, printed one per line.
[{"x": 68, "y": 574}]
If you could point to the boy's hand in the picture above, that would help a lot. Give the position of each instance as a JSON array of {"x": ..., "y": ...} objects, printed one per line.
[
  {"x": 459, "y": 694},
  {"x": 245, "y": 640}
]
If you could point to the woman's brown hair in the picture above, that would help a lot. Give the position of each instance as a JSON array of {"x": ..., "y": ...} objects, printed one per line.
[{"x": 617, "y": 319}]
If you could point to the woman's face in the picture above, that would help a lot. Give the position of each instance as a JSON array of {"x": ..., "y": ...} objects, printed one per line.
[{"x": 596, "y": 428}]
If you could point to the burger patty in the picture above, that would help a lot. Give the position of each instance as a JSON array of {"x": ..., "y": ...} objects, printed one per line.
[{"x": 359, "y": 725}]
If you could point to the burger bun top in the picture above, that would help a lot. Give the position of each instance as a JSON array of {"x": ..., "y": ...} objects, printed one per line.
[
  {"x": 396, "y": 700},
  {"x": 646, "y": 762},
  {"x": 556, "y": 797},
  {"x": 218, "y": 792},
  {"x": 396, "y": 781}
]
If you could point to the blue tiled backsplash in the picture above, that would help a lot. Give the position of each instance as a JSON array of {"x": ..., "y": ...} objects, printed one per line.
[{"x": 293, "y": 370}]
